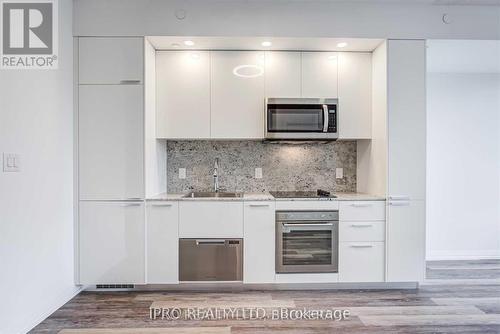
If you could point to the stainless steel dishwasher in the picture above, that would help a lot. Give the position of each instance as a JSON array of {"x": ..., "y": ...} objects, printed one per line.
[{"x": 210, "y": 259}]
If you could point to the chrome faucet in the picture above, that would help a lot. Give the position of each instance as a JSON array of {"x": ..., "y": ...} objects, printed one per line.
[{"x": 216, "y": 175}]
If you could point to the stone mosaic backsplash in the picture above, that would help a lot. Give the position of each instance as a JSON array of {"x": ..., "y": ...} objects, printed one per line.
[{"x": 285, "y": 166}]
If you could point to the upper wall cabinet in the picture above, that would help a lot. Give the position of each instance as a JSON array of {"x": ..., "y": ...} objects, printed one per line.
[
  {"x": 355, "y": 95},
  {"x": 183, "y": 94},
  {"x": 320, "y": 74},
  {"x": 237, "y": 110},
  {"x": 110, "y": 60},
  {"x": 283, "y": 74}
]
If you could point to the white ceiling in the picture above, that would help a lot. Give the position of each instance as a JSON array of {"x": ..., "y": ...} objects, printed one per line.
[
  {"x": 463, "y": 56},
  {"x": 254, "y": 43}
]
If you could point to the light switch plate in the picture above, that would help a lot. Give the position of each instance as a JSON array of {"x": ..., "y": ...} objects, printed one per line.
[
  {"x": 11, "y": 162},
  {"x": 258, "y": 173},
  {"x": 182, "y": 173},
  {"x": 339, "y": 173}
]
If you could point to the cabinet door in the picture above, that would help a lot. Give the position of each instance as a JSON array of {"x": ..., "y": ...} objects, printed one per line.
[
  {"x": 111, "y": 242},
  {"x": 105, "y": 60},
  {"x": 259, "y": 249},
  {"x": 361, "y": 261},
  {"x": 111, "y": 141},
  {"x": 237, "y": 95},
  {"x": 405, "y": 241},
  {"x": 406, "y": 119},
  {"x": 183, "y": 94},
  {"x": 406, "y": 131},
  {"x": 283, "y": 74},
  {"x": 319, "y": 74},
  {"x": 162, "y": 221},
  {"x": 355, "y": 86},
  {"x": 210, "y": 219}
]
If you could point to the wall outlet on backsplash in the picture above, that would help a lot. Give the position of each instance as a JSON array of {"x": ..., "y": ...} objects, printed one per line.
[
  {"x": 258, "y": 173},
  {"x": 339, "y": 173},
  {"x": 182, "y": 173}
]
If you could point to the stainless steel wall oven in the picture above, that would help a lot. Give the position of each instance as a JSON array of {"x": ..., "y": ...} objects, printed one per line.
[{"x": 307, "y": 241}]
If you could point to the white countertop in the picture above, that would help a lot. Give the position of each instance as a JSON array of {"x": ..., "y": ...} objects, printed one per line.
[{"x": 265, "y": 196}]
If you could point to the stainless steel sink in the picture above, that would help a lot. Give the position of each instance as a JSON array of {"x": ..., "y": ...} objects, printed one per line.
[{"x": 208, "y": 194}]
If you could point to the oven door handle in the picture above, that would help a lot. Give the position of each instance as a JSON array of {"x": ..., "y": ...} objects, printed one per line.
[
  {"x": 325, "y": 118},
  {"x": 308, "y": 225}
]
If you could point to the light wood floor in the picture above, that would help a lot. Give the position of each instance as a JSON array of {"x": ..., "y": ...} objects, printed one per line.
[{"x": 458, "y": 297}]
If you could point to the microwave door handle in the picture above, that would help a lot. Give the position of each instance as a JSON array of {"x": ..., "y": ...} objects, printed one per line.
[{"x": 325, "y": 118}]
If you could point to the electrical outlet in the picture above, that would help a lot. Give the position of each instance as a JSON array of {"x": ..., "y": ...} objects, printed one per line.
[
  {"x": 258, "y": 173},
  {"x": 11, "y": 162},
  {"x": 182, "y": 173},
  {"x": 339, "y": 173}
]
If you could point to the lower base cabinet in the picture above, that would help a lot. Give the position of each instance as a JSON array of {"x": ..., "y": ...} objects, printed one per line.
[
  {"x": 111, "y": 242},
  {"x": 361, "y": 262},
  {"x": 259, "y": 240},
  {"x": 162, "y": 221}
]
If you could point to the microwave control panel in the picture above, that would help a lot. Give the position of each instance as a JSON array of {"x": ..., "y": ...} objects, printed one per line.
[{"x": 332, "y": 118}]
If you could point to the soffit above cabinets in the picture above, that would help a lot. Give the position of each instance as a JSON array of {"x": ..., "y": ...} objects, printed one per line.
[{"x": 255, "y": 43}]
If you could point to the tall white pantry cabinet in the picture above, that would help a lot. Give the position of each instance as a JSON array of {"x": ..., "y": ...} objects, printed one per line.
[{"x": 110, "y": 146}]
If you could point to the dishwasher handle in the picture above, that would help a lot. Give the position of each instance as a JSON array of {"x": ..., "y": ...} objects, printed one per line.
[{"x": 210, "y": 242}]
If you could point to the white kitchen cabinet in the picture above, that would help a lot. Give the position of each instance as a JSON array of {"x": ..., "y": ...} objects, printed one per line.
[
  {"x": 259, "y": 234},
  {"x": 111, "y": 242},
  {"x": 406, "y": 241},
  {"x": 361, "y": 210},
  {"x": 406, "y": 119},
  {"x": 111, "y": 142},
  {"x": 162, "y": 221},
  {"x": 183, "y": 94},
  {"x": 211, "y": 219},
  {"x": 361, "y": 231},
  {"x": 361, "y": 261},
  {"x": 355, "y": 89},
  {"x": 110, "y": 60},
  {"x": 406, "y": 131},
  {"x": 320, "y": 74},
  {"x": 237, "y": 95},
  {"x": 283, "y": 74}
]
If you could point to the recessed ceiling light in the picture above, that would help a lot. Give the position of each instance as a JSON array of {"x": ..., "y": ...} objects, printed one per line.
[
  {"x": 266, "y": 43},
  {"x": 189, "y": 43},
  {"x": 342, "y": 44},
  {"x": 175, "y": 45},
  {"x": 195, "y": 55}
]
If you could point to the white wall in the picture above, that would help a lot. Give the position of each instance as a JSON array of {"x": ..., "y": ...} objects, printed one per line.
[
  {"x": 36, "y": 205},
  {"x": 294, "y": 18},
  {"x": 463, "y": 150}
]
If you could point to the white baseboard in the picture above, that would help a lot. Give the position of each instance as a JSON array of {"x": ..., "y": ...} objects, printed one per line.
[
  {"x": 493, "y": 254},
  {"x": 53, "y": 305}
]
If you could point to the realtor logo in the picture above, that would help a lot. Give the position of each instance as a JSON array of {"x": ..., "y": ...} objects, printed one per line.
[{"x": 29, "y": 34}]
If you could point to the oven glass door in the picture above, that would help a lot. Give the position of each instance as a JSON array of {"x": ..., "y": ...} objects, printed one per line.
[
  {"x": 295, "y": 118},
  {"x": 307, "y": 246}
]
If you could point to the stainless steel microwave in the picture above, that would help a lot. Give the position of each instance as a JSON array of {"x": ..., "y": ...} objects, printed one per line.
[{"x": 301, "y": 118}]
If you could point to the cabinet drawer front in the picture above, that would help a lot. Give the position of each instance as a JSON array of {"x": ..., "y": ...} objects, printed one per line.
[
  {"x": 211, "y": 219},
  {"x": 362, "y": 231},
  {"x": 361, "y": 262},
  {"x": 362, "y": 210}
]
